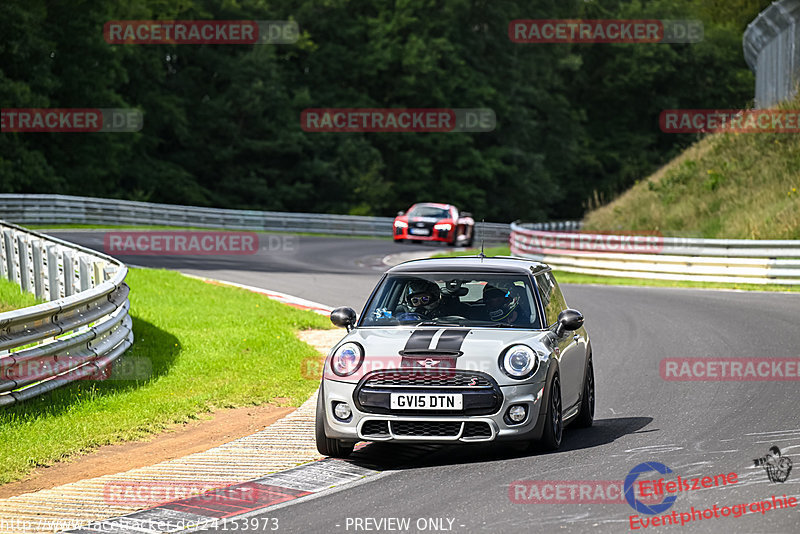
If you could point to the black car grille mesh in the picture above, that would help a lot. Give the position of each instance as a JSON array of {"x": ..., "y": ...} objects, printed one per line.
[
  {"x": 476, "y": 430},
  {"x": 426, "y": 428},
  {"x": 375, "y": 428},
  {"x": 427, "y": 378}
]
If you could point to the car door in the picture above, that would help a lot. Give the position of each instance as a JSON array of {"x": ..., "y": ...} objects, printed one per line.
[{"x": 571, "y": 356}]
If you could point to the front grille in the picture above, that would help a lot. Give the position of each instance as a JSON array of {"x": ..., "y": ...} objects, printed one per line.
[
  {"x": 426, "y": 428},
  {"x": 480, "y": 393},
  {"x": 427, "y": 378},
  {"x": 476, "y": 430},
  {"x": 375, "y": 429},
  {"x": 421, "y": 225}
]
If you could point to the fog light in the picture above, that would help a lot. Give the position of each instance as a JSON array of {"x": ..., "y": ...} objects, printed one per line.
[
  {"x": 342, "y": 411},
  {"x": 517, "y": 413}
]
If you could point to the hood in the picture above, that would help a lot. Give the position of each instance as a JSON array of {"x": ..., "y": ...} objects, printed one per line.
[
  {"x": 429, "y": 220},
  {"x": 475, "y": 349}
]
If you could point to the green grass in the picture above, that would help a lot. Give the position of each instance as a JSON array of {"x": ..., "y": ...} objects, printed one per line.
[
  {"x": 577, "y": 278},
  {"x": 13, "y": 298},
  {"x": 202, "y": 347},
  {"x": 724, "y": 186},
  {"x": 489, "y": 251}
]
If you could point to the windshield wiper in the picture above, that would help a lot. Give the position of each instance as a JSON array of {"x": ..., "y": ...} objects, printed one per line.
[{"x": 437, "y": 323}]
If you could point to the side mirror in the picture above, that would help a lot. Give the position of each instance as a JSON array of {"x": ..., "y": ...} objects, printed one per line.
[
  {"x": 344, "y": 318},
  {"x": 568, "y": 321},
  {"x": 399, "y": 213}
]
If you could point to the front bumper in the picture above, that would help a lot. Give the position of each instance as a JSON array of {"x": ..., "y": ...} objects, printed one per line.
[
  {"x": 421, "y": 427},
  {"x": 444, "y": 236}
]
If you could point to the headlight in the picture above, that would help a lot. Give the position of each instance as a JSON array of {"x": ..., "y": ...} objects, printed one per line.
[
  {"x": 400, "y": 224},
  {"x": 519, "y": 361},
  {"x": 347, "y": 359},
  {"x": 444, "y": 226}
]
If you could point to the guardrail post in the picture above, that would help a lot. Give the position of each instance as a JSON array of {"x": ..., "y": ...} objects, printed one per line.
[
  {"x": 3, "y": 267},
  {"x": 24, "y": 264},
  {"x": 11, "y": 268},
  {"x": 83, "y": 272},
  {"x": 38, "y": 270},
  {"x": 69, "y": 273},
  {"x": 97, "y": 269},
  {"x": 53, "y": 280}
]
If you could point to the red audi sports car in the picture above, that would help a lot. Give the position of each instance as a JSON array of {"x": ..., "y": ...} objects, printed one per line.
[{"x": 429, "y": 221}]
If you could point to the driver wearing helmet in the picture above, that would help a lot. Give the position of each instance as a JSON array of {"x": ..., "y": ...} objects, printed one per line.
[
  {"x": 503, "y": 306},
  {"x": 420, "y": 298}
]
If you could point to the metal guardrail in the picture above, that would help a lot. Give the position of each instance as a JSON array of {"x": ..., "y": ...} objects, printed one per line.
[
  {"x": 62, "y": 209},
  {"x": 556, "y": 226},
  {"x": 665, "y": 258},
  {"x": 772, "y": 50},
  {"x": 83, "y": 328}
]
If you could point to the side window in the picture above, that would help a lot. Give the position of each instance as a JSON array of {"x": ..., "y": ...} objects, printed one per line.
[{"x": 552, "y": 298}]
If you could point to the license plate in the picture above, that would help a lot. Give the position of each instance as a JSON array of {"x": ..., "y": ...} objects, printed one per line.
[
  {"x": 420, "y": 231},
  {"x": 426, "y": 401}
]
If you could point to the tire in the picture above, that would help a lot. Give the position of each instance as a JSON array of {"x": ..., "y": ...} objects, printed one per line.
[
  {"x": 471, "y": 239},
  {"x": 586, "y": 414},
  {"x": 325, "y": 445},
  {"x": 554, "y": 425}
]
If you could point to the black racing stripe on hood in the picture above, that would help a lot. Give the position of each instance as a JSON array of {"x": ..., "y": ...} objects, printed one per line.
[
  {"x": 419, "y": 340},
  {"x": 451, "y": 340}
]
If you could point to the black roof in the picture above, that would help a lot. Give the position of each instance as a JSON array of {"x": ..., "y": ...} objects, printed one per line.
[{"x": 498, "y": 264}]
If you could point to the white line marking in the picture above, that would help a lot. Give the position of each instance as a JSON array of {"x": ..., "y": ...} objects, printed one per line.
[{"x": 435, "y": 339}]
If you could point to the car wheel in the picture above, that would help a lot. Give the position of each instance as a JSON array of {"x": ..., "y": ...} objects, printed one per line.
[
  {"x": 586, "y": 415},
  {"x": 554, "y": 425},
  {"x": 325, "y": 445}
]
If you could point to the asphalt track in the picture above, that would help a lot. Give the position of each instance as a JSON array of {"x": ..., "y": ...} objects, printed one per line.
[{"x": 696, "y": 428}]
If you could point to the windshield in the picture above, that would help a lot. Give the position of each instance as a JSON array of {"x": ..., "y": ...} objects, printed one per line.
[
  {"x": 429, "y": 211},
  {"x": 454, "y": 299}
]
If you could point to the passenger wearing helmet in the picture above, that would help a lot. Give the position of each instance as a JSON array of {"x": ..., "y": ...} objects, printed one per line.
[
  {"x": 502, "y": 306},
  {"x": 421, "y": 298}
]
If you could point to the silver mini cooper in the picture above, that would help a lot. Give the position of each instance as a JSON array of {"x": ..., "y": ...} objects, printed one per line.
[{"x": 460, "y": 350}]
